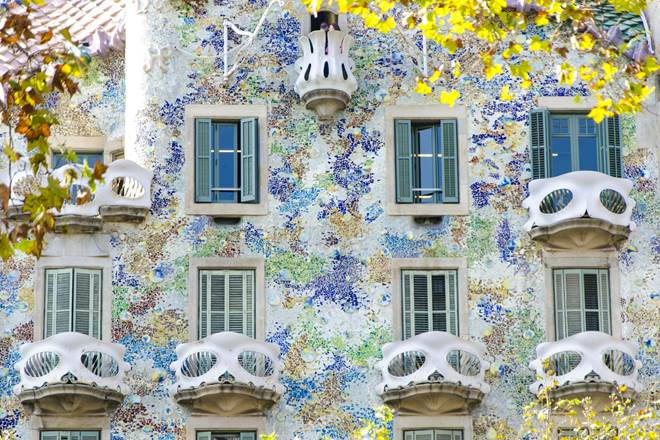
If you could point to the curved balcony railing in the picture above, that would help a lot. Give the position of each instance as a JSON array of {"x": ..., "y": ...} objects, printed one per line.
[
  {"x": 433, "y": 357},
  {"x": 126, "y": 185},
  {"x": 579, "y": 194},
  {"x": 325, "y": 82},
  {"x": 72, "y": 358},
  {"x": 227, "y": 357},
  {"x": 585, "y": 357}
]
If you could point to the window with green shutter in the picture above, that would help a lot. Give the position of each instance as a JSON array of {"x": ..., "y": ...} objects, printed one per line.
[
  {"x": 226, "y": 435},
  {"x": 564, "y": 142},
  {"x": 226, "y": 302},
  {"x": 582, "y": 301},
  {"x": 73, "y": 301},
  {"x": 430, "y": 301},
  {"x": 70, "y": 435},
  {"x": 226, "y": 161},
  {"x": 434, "y": 434},
  {"x": 426, "y": 155}
]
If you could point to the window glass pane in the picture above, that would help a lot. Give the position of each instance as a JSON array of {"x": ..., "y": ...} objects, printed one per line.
[
  {"x": 587, "y": 144},
  {"x": 425, "y": 165},
  {"x": 560, "y": 146},
  {"x": 225, "y": 137},
  {"x": 91, "y": 158}
]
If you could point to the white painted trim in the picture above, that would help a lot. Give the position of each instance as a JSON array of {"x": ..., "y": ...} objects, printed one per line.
[
  {"x": 228, "y": 112},
  {"x": 219, "y": 423},
  {"x": 566, "y": 103},
  {"x": 62, "y": 252},
  {"x": 218, "y": 263},
  {"x": 458, "y": 264},
  {"x": 577, "y": 259},
  {"x": 405, "y": 423},
  {"x": 421, "y": 113}
]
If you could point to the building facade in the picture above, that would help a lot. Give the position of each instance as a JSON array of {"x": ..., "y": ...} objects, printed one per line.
[{"x": 288, "y": 248}]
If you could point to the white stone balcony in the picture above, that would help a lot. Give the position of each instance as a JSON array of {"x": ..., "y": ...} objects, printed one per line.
[
  {"x": 227, "y": 374},
  {"x": 582, "y": 209},
  {"x": 124, "y": 196},
  {"x": 433, "y": 373},
  {"x": 586, "y": 364},
  {"x": 71, "y": 373},
  {"x": 325, "y": 82}
]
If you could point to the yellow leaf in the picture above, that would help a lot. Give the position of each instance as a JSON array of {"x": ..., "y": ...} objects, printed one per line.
[
  {"x": 435, "y": 76},
  {"x": 505, "y": 95},
  {"x": 422, "y": 88},
  {"x": 449, "y": 98}
]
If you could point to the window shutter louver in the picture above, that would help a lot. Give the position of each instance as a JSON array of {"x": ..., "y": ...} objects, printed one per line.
[
  {"x": 62, "y": 301},
  {"x": 49, "y": 303},
  {"x": 249, "y": 151},
  {"x": 420, "y": 304},
  {"x": 50, "y": 435},
  {"x": 591, "y": 300},
  {"x": 203, "y": 304},
  {"x": 458, "y": 435},
  {"x": 217, "y": 299},
  {"x": 203, "y": 160},
  {"x": 248, "y": 281},
  {"x": 604, "y": 293},
  {"x": 452, "y": 295},
  {"x": 444, "y": 434},
  {"x": 611, "y": 150},
  {"x": 248, "y": 436},
  {"x": 538, "y": 142},
  {"x": 236, "y": 306},
  {"x": 203, "y": 435},
  {"x": 404, "y": 162},
  {"x": 407, "y": 310},
  {"x": 573, "y": 302},
  {"x": 409, "y": 435},
  {"x": 424, "y": 435},
  {"x": 560, "y": 311},
  {"x": 439, "y": 302},
  {"x": 74, "y": 435},
  {"x": 449, "y": 161},
  {"x": 87, "y": 307},
  {"x": 89, "y": 435}
]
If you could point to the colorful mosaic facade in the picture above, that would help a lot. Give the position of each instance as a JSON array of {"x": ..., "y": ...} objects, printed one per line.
[{"x": 327, "y": 241}]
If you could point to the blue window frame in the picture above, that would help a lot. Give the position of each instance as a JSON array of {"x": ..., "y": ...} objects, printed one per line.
[{"x": 573, "y": 144}]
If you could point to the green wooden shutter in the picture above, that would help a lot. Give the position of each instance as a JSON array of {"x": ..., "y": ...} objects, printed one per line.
[
  {"x": 449, "y": 161},
  {"x": 539, "y": 143},
  {"x": 248, "y": 282},
  {"x": 248, "y": 436},
  {"x": 438, "y": 301},
  {"x": 249, "y": 152},
  {"x": 406, "y": 280},
  {"x": 87, "y": 302},
  {"x": 217, "y": 288},
  {"x": 610, "y": 146},
  {"x": 89, "y": 435},
  {"x": 236, "y": 303},
  {"x": 203, "y": 435},
  {"x": 73, "y": 435},
  {"x": 604, "y": 301},
  {"x": 420, "y": 304},
  {"x": 203, "y": 308},
  {"x": 444, "y": 434},
  {"x": 452, "y": 302},
  {"x": 582, "y": 301},
  {"x": 404, "y": 163},
  {"x": 59, "y": 287},
  {"x": 409, "y": 435},
  {"x": 50, "y": 435},
  {"x": 203, "y": 160}
]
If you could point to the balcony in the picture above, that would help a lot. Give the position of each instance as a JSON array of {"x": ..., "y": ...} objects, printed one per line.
[
  {"x": 227, "y": 374},
  {"x": 325, "y": 82},
  {"x": 125, "y": 196},
  {"x": 433, "y": 373},
  {"x": 582, "y": 209},
  {"x": 586, "y": 364},
  {"x": 71, "y": 373}
]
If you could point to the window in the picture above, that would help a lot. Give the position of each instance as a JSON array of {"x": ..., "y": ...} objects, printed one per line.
[
  {"x": 434, "y": 434},
  {"x": 70, "y": 435},
  {"x": 324, "y": 20},
  {"x": 429, "y": 301},
  {"x": 91, "y": 158},
  {"x": 73, "y": 301},
  {"x": 426, "y": 155},
  {"x": 226, "y": 161},
  {"x": 226, "y": 435},
  {"x": 565, "y": 142},
  {"x": 226, "y": 302},
  {"x": 117, "y": 155},
  {"x": 582, "y": 301}
]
